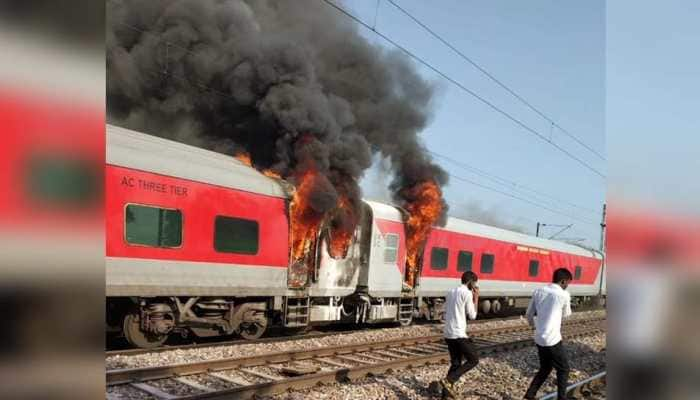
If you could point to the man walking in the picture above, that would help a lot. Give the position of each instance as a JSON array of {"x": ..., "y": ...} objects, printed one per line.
[
  {"x": 547, "y": 308},
  {"x": 460, "y": 302}
]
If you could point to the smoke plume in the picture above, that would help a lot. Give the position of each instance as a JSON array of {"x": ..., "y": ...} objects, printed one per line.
[
  {"x": 292, "y": 83},
  {"x": 475, "y": 212}
]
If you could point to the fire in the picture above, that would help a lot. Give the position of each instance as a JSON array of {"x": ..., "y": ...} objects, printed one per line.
[
  {"x": 342, "y": 228},
  {"x": 271, "y": 174},
  {"x": 424, "y": 210},
  {"x": 244, "y": 158},
  {"x": 247, "y": 160},
  {"x": 305, "y": 221}
]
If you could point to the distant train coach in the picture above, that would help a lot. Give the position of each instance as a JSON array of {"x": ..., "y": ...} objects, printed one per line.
[{"x": 199, "y": 244}]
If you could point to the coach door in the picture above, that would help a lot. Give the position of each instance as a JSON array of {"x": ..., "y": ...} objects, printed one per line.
[{"x": 297, "y": 275}]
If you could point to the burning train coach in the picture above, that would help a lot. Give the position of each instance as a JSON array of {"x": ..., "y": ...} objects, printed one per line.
[{"x": 200, "y": 243}]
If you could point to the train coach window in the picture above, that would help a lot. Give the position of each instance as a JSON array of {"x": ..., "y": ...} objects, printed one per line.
[
  {"x": 153, "y": 226},
  {"x": 534, "y": 268},
  {"x": 391, "y": 249},
  {"x": 464, "y": 261},
  {"x": 577, "y": 272},
  {"x": 61, "y": 181},
  {"x": 236, "y": 235},
  {"x": 438, "y": 258},
  {"x": 487, "y": 261}
]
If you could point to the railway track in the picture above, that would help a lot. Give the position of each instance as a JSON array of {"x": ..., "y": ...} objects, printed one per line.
[
  {"x": 310, "y": 335},
  {"x": 589, "y": 387},
  {"x": 284, "y": 338},
  {"x": 274, "y": 339},
  {"x": 246, "y": 377}
]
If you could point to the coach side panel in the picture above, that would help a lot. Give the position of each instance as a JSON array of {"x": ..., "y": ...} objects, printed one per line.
[
  {"x": 167, "y": 236},
  {"x": 504, "y": 269}
]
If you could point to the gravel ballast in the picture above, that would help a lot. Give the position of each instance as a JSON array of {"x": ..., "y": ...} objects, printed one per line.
[
  {"x": 500, "y": 377},
  {"x": 179, "y": 356}
]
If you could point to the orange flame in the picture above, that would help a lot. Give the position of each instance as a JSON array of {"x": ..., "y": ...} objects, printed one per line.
[
  {"x": 423, "y": 212},
  {"x": 305, "y": 221},
  {"x": 342, "y": 232},
  {"x": 271, "y": 174},
  {"x": 244, "y": 158}
]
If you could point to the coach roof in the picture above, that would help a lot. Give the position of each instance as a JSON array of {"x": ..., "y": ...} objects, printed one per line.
[
  {"x": 385, "y": 211},
  {"x": 392, "y": 213},
  {"x": 131, "y": 149},
  {"x": 521, "y": 239}
]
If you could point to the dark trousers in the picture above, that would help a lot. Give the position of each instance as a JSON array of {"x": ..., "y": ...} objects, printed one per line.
[
  {"x": 551, "y": 357},
  {"x": 460, "y": 349}
]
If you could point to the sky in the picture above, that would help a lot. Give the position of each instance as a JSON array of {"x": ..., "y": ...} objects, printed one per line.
[
  {"x": 653, "y": 103},
  {"x": 552, "y": 54}
]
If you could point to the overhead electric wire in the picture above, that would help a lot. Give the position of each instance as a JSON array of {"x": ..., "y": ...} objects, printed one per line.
[
  {"x": 507, "y": 182},
  {"x": 511, "y": 195},
  {"x": 465, "y": 89},
  {"x": 376, "y": 13},
  {"x": 494, "y": 79},
  {"x": 560, "y": 231}
]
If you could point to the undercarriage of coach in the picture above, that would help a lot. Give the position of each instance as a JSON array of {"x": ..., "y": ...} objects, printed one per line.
[
  {"x": 148, "y": 322},
  {"x": 433, "y": 308}
]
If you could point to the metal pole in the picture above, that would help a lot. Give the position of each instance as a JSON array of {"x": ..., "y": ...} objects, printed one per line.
[
  {"x": 602, "y": 230},
  {"x": 537, "y": 233},
  {"x": 603, "y": 271}
]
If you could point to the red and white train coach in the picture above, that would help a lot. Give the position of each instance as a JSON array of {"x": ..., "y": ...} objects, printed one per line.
[
  {"x": 510, "y": 265},
  {"x": 198, "y": 243}
]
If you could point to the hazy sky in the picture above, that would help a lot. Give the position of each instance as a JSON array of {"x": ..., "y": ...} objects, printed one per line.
[
  {"x": 550, "y": 52},
  {"x": 653, "y": 103}
]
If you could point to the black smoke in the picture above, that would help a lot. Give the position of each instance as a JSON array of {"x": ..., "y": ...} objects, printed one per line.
[
  {"x": 477, "y": 212},
  {"x": 293, "y": 83}
]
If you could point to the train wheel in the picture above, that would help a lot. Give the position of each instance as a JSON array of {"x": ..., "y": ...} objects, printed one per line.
[
  {"x": 253, "y": 330},
  {"x": 406, "y": 321},
  {"x": 496, "y": 307},
  {"x": 138, "y": 338}
]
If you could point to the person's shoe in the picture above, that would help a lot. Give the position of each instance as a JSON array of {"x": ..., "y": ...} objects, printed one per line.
[
  {"x": 446, "y": 395},
  {"x": 448, "y": 387},
  {"x": 529, "y": 396}
]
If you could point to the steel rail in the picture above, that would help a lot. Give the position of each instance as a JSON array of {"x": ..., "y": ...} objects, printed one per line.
[
  {"x": 274, "y": 339},
  {"x": 127, "y": 375},
  {"x": 355, "y": 373},
  {"x": 579, "y": 387},
  {"x": 432, "y": 345}
]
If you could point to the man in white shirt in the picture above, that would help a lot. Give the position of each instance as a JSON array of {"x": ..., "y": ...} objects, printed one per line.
[
  {"x": 547, "y": 307},
  {"x": 460, "y": 302}
]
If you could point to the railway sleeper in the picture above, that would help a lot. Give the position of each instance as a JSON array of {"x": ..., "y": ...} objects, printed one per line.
[{"x": 265, "y": 383}]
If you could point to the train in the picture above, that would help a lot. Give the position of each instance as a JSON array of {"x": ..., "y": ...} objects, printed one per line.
[{"x": 198, "y": 243}]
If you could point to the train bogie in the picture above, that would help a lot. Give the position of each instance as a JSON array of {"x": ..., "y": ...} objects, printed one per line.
[{"x": 149, "y": 321}]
